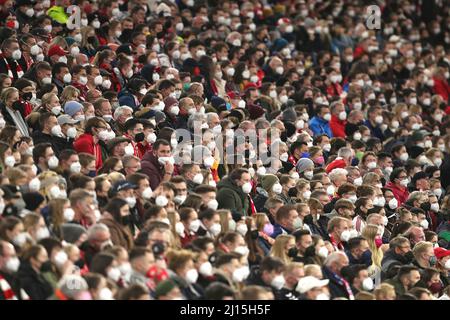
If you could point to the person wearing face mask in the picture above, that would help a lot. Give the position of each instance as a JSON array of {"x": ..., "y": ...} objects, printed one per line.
[
  {"x": 270, "y": 187},
  {"x": 96, "y": 131},
  {"x": 424, "y": 255},
  {"x": 374, "y": 121},
  {"x": 9, "y": 265},
  {"x": 209, "y": 224},
  {"x": 30, "y": 275},
  {"x": 61, "y": 76},
  {"x": 117, "y": 218},
  {"x": 319, "y": 124},
  {"x": 338, "y": 119},
  {"x": 185, "y": 275},
  {"x": 406, "y": 278},
  {"x": 133, "y": 94},
  {"x": 269, "y": 274},
  {"x": 339, "y": 233},
  {"x": 339, "y": 287},
  {"x": 58, "y": 264},
  {"x": 134, "y": 131},
  {"x": 398, "y": 185},
  {"x": 398, "y": 254},
  {"x": 286, "y": 220},
  {"x": 11, "y": 53},
  {"x": 233, "y": 192},
  {"x": 98, "y": 238},
  {"x": 228, "y": 270},
  {"x": 158, "y": 164},
  {"x": 358, "y": 277},
  {"x": 443, "y": 264}
]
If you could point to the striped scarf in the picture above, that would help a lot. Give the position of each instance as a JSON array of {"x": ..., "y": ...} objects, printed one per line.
[
  {"x": 8, "y": 293},
  {"x": 18, "y": 68}
]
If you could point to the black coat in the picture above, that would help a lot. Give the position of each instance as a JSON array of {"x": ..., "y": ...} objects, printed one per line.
[
  {"x": 34, "y": 283},
  {"x": 58, "y": 144},
  {"x": 336, "y": 290}
]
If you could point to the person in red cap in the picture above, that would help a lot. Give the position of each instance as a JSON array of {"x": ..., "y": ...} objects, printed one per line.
[
  {"x": 443, "y": 264},
  {"x": 57, "y": 54},
  {"x": 344, "y": 159}
]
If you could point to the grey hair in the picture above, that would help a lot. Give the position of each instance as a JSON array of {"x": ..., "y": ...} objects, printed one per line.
[
  {"x": 335, "y": 173},
  {"x": 210, "y": 116},
  {"x": 333, "y": 257},
  {"x": 345, "y": 152},
  {"x": 119, "y": 111},
  {"x": 95, "y": 228}
]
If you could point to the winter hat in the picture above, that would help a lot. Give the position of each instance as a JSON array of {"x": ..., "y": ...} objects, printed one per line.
[
  {"x": 289, "y": 115},
  {"x": 338, "y": 163},
  {"x": 268, "y": 181},
  {"x": 56, "y": 50},
  {"x": 164, "y": 287},
  {"x": 72, "y": 232},
  {"x": 72, "y": 107},
  {"x": 303, "y": 164},
  {"x": 441, "y": 253},
  {"x": 33, "y": 200},
  {"x": 255, "y": 111},
  {"x": 217, "y": 102},
  {"x": 169, "y": 102}
]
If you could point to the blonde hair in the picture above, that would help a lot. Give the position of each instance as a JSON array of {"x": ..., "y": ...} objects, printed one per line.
[
  {"x": 178, "y": 258},
  {"x": 383, "y": 290},
  {"x": 369, "y": 233},
  {"x": 172, "y": 216},
  {"x": 15, "y": 174},
  {"x": 279, "y": 247},
  {"x": 224, "y": 221},
  {"x": 46, "y": 98},
  {"x": 68, "y": 94},
  {"x": 313, "y": 270},
  {"x": 6, "y": 93},
  {"x": 421, "y": 247},
  {"x": 260, "y": 221}
]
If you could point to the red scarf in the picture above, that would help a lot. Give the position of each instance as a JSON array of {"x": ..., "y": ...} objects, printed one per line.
[
  {"x": 252, "y": 206},
  {"x": 18, "y": 68}
]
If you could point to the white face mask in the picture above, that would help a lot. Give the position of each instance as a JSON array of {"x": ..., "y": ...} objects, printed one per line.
[
  {"x": 131, "y": 201},
  {"x": 192, "y": 276},
  {"x": 42, "y": 233},
  {"x": 198, "y": 178},
  {"x": 10, "y": 161},
  {"x": 278, "y": 282},
  {"x": 194, "y": 225},
  {"x": 215, "y": 229},
  {"x": 213, "y": 204},
  {"x": 247, "y": 187},
  {"x": 13, "y": 264},
  {"x": 277, "y": 188},
  {"x": 114, "y": 274},
  {"x": 53, "y": 162},
  {"x": 75, "y": 167},
  {"x": 345, "y": 235},
  {"x": 161, "y": 201},
  {"x": 69, "y": 214},
  {"x": 206, "y": 269}
]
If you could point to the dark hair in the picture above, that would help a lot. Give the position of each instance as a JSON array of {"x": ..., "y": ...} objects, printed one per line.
[
  {"x": 160, "y": 142},
  {"x": 138, "y": 252},
  {"x": 101, "y": 262},
  {"x": 225, "y": 259},
  {"x": 39, "y": 150},
  {"x": 355, "y": 242},
  {"x": 207, "y": 214},
  {"x": 405, "y": 270},
  {"x": 218, "y": 291},
  {"x": 113, "y": 207},
  {"x": 134, "y": 291},
  {"x": 299, "y": 234},
  {"x": 93, "y": 280},
  {"x": 270, "y": 264}
]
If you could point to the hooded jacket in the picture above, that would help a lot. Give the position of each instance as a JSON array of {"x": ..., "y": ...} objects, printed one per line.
[{"x": 230, "y": 196}]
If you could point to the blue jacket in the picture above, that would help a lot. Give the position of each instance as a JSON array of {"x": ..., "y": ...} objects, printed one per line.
[
  {"x": 127, "y": 99},
  {"x": 374, "y": 131},
  {"x": 278, "y": 229},
  {"x": 320, "y": 126}
]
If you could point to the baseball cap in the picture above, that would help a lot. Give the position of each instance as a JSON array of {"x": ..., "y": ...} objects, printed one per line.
[
  {"x": 66, "y": 119},
  {"x": 309, "y": 282}
]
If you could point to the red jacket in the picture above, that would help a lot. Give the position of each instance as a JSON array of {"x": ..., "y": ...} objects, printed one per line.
[
  {"x": 334, "y": 90},
  {"x": 337, "y": 127},
  {"x": 441, "y": 88},
  {"x": 85, "y": 143},
  {"x": 401, "y": 194}
]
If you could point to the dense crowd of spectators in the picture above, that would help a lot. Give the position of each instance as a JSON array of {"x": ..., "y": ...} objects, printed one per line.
[{"x": 211, "y": 149}]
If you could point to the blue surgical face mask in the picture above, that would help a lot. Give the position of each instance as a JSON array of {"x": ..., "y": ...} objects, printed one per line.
[
  {"x": 92, "y": 173},
  {"x": 228, "y": 105}
]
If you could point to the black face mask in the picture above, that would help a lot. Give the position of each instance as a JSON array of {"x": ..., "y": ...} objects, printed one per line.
[
  {"x": 409, "y": 257},
  {"x": 310, "y": 251},
  {"x": 426, "y": 206},
  {"x": 254, "y": 234},
  {"x": 139, "y": 137},
  {"x": 17, "y": 105},
  {"x": 92, "y": 40},
  {"x": 27, "y": 96},
  {"x": 308, "y": 219},
  {"x": 292, "y": 192},
  {"x": 126, "y": 220},
  {"x": 292, "y": 252},
  {"x": 308, "y": 101}
]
